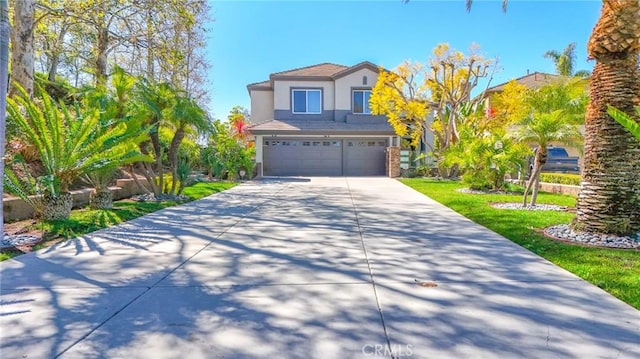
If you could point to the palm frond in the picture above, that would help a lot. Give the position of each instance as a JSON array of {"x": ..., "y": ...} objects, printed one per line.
[{"x": 625, "y": 120}]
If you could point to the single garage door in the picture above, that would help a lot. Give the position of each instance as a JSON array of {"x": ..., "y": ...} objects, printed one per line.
[
  {"x": 302, "y": 157},
  {"x": 324, "y": 157},
  {"x": 364, "y": 157}
]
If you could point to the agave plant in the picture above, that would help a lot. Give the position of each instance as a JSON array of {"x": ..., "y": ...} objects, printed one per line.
[{"x": 72, "y": 143}]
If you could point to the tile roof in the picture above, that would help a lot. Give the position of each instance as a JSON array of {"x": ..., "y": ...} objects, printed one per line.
[
  {"x": 324, "y": 69},
  {"x": 533, "y": 81},
  {"x": 321, "y": 126}
]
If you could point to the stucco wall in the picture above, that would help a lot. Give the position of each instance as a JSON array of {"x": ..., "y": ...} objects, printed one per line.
[
  {"x": 282, "y": 93},
  {"x": 346, "y": 83},
  {"x": 261, "y": 106}
]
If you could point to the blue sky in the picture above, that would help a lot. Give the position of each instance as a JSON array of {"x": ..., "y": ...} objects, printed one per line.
[{"x": 251, "y": 39}]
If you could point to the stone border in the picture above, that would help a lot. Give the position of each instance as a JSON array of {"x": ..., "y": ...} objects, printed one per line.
[
  {"x": 519, "y": 207},
  {"x": 611, "y": 241}
]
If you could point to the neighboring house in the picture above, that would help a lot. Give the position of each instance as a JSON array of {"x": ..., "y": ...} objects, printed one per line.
[
  {"x": 316, "y": 121},
  {"x": 534, "y": 81},
  {"x": 530, "y": 80}
]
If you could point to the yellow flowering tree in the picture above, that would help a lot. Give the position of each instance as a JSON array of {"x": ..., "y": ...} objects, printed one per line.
[{"x": 433, "y": 97}]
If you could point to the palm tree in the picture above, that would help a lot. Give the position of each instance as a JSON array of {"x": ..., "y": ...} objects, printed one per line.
[
  {"x": 608, "y": 201},
  {"x": 185, "y": 116},
  {"x": 544, "y": 129},
  {"x": 565, "y": 61},
  {"x": 153, "y": 100},
  {"x": 555, "y": 111}
]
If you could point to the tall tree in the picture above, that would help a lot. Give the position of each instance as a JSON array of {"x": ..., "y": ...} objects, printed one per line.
[
  {"x": 411, "y": 94},
  {"x": 185, "y": 116},
  {"x": 4, "y": 75},
  {"x": 22, "y": 51},
  {"x": 608, "y": 201},
  {"x": 565, "y": 61}
]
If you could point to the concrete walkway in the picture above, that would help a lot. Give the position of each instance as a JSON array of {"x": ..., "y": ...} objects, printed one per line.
[{"x": 320, "y": 268}]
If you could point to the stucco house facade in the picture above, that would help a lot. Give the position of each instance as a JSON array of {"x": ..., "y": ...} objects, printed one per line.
[{"x": 316, "y": 121}]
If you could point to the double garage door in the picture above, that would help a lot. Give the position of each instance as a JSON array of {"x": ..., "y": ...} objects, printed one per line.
[{"x": 324, "y": 157}]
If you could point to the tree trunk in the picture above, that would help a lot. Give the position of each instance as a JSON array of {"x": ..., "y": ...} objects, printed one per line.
[
  {"x": 57, "y": 207},
  {"x": 4, "y": 76},
  {"x": 173, "y": 156},
  {"x": 102, "y": 199},
  {"x": 54, "y": 55},
  {"x": 22, "y": 52},
  {"x": 609, "y": 200},
  {"x": 101, "y": 56},
  {"x": 136, "y": 180},
  {"x": 534, "y": 179},
  {"x": 534, "y": 191},
  {"x": 157, "y": 152}
]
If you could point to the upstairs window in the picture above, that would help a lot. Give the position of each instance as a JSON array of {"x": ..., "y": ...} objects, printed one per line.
[
  {"x": 307, "y": 101},
  {"x": 361, "y": 102}
]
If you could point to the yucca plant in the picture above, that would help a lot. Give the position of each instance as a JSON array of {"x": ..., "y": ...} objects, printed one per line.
[{"x": 72, "y": 143}]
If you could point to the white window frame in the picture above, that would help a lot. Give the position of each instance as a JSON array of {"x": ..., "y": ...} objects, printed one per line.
[
  {"x": 307, "y": 112},
  {"x": 353, "y": 104}
]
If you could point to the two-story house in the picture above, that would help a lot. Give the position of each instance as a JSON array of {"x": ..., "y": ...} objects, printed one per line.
[{"x": 316, "y": 121}]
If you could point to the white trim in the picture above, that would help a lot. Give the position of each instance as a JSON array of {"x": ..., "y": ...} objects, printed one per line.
[{"x": 306, "y": 90}]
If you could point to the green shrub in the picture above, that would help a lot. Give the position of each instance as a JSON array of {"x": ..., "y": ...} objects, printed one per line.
[{"x": 561, "y": 178}]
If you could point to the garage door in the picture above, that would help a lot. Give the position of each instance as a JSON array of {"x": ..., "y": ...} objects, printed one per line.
[
  {"x": 364, "y": 157},
  {"x": 302, "y": 157},
  {"x": 324, "y": 157}
]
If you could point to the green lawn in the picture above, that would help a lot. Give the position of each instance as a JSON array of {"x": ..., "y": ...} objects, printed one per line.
[
  {"x": 85, "y": 220},
  {"x": 616, "y": 271}
]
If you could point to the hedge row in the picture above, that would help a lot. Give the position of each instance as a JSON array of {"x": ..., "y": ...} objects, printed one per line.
[{"x": 561, "y": 178}]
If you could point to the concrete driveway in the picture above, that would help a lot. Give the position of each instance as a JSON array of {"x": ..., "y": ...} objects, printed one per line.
[{"x": 297, "y": 268}]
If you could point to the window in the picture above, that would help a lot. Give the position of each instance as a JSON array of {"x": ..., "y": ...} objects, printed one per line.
[
  {"x": 307, "y": 101},
  {"x": 361, "y": 101}
]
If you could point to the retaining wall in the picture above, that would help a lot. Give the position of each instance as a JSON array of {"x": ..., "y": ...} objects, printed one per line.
[{"x": 16, "y": 209}]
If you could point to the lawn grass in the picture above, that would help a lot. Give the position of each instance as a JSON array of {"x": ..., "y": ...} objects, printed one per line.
[
  {"x": 85, "y": 220},
  {"x": 616, "y": 271}
]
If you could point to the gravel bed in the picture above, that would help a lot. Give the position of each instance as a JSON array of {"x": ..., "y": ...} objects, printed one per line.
[
  {"x": 565, "y": 233},
  {"x": 476, "y": 191},
  {"x": 150, "y": 197},
  {"x": 11, "y": 241},
  {"x": 537, "y": 207}
]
